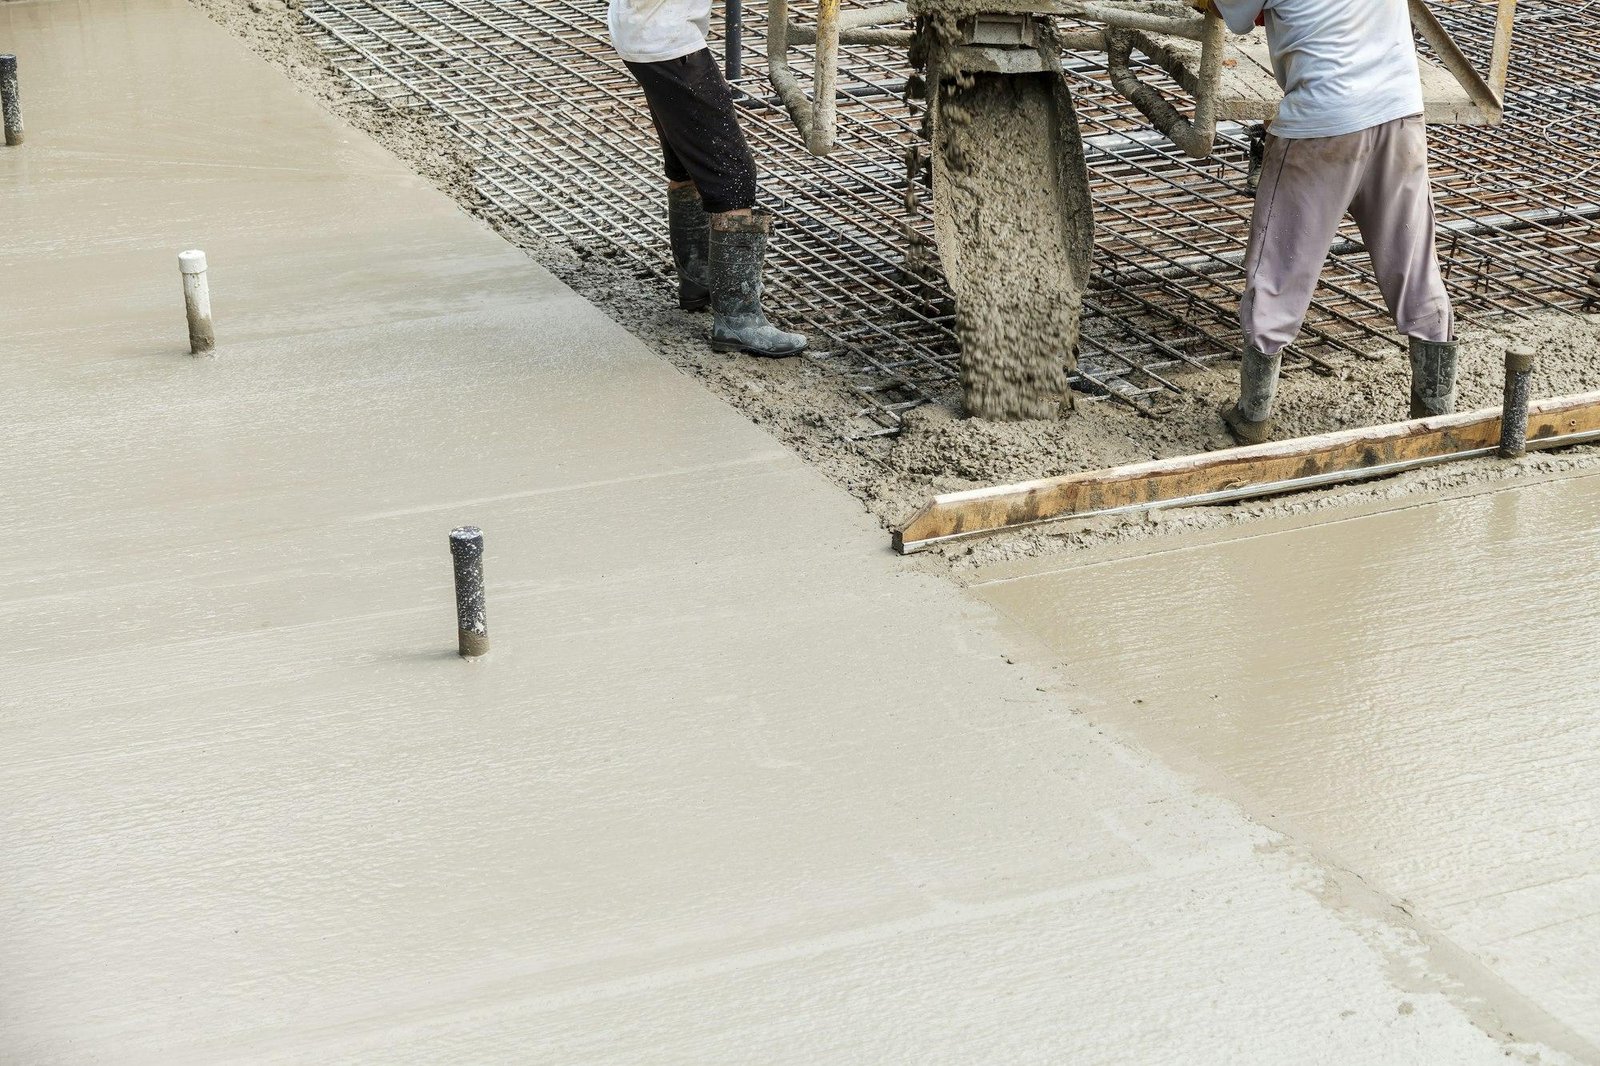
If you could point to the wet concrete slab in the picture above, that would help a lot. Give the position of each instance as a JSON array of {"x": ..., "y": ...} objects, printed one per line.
[
  {"x": 731, "y": 785},
  {"x": 1416, "y": 691}
]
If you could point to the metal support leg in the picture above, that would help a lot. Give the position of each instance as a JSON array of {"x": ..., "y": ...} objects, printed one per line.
[{"x": 733, "y": 39}]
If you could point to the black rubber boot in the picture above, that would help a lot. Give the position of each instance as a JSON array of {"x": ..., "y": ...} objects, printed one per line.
[
  {"x": 689, "y": 228},
  {"x": 738, "y": 247},
  {"x": 1433, "y": 378},
  {"x": 1250, "y": 420}
]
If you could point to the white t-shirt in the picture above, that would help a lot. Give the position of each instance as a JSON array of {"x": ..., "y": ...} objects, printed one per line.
[
  {"x": 653, "y": 31},
  {"x": 1344, "y": 65}
]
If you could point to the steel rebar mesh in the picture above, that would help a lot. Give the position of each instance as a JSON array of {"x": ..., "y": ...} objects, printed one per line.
[{"x": 565, "y": 150}]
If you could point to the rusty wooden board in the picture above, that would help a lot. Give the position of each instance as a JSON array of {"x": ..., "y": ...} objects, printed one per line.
[{"x": 1241, "y": 473}]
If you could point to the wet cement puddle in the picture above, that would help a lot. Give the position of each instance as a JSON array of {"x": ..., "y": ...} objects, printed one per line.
[{"x": 1417, "y": 692}]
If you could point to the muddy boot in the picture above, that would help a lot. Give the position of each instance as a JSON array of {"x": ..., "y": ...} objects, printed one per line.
[
  {"x": 1258, "y": 154},
  {"x": 689, "y": 228},
  {"x": 1433, "y": 378},
  {"x": 1250, "y": 420},
  {"x": 738, "y": 246}
]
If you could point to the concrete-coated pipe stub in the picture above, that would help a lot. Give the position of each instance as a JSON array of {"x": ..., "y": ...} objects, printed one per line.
[
  {"x": 472, "y": 624},
  {"x": 10, "y": 102},
  {"x": 197, "y": 301},
  {"x": 1514, "y": 413}
]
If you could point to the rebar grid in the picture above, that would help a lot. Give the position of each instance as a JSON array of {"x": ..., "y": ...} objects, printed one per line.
[{"x": 565, "y": 151}]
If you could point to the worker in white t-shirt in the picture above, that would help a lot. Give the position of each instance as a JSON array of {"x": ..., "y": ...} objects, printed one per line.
[
  {"x": 1349, "y": 137},
  {"x": 718, "y": 234}
]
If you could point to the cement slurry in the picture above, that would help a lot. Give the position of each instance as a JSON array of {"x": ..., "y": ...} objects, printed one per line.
[
  {"x": 732, "y": 785},
  {"x": 1415, "y": 692},
  {"x": 1012, "y": 210}
]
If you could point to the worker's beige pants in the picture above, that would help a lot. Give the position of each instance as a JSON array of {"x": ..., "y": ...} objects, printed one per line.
[{"x": 1380, "y": 175}]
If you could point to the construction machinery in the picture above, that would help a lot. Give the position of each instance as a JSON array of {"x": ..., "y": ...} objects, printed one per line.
[{"x": 1010, "y": 191}]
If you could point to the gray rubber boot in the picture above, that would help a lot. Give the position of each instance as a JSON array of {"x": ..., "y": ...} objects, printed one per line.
[
  {"x": 1250, "y": 420},
  {"x": 738, "y": 247},
  {"x": 1258, "y": 154},
  {"x": 1433, "y": 378},
  {"x": 689, "y": 228}
]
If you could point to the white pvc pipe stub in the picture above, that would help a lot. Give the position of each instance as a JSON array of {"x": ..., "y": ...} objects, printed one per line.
[{"x": 197, "y": 301}]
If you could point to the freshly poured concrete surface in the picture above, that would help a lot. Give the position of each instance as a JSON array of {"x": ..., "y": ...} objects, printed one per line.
[
  {"x": 1417, "y": 690},
  {"x": 731, "y": 786}
]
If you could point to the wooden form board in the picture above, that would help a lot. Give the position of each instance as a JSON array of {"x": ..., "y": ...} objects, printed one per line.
[
  {"x": 1248, "y": 92},
  {"x": 1242, "y": 473}
]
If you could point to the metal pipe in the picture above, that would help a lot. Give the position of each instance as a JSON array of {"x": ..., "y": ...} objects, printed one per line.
[
  {"x": 1192, "y": 29},
  {"x": 1194, "y": 138},
  {"x": 1081, "y": 39},
  {"x": 824, "y": 107},
  {"x": 815, "y": 119},
  {"x": 1514, "y": 411},
  {"x": 733, "y": 39},
  {"x": 877, "y": 15},
  {"x": 10, "y": 102},
  {"x": 882, "y": 35},
  {"x": 783, "y": 80},
  {"x": 197, "y": 301},
  {"x": 472, "y": 624}
]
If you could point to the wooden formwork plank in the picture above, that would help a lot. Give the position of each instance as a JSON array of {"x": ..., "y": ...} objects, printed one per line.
[{"x": 1242, "y": 473}]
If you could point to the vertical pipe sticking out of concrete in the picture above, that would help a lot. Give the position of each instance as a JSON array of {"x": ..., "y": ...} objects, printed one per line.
[
  {"x": 10, "y": 102},
  {"x": 197, "y": 301},
  {"x": 472, "y": 624},
  {"x": 733, "y": 38},
  {"x": 1514, "y": 414}
]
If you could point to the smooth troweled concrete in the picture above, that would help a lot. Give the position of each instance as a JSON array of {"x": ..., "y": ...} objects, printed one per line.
[
  {"x": 1416, "y": 692},
  {"x": 731, "y": 786}
]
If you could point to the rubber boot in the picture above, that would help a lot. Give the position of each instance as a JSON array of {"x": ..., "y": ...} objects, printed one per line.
[
  {"x": 1433, "y": 378},
  {"x": 738, "y": 247},
  {"x": 1258, "y": 155},
  {"x": 689, "y": 228},
  {"x": 1250, "y": 420}
]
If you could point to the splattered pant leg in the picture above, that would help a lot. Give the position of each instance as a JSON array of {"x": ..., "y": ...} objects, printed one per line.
[
  {"x": 1394, "y": 209},
  {"x": 698, "y": 124},
  {"x": 1306, "y": 185}
]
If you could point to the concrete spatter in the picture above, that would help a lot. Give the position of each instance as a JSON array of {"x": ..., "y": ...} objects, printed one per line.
[
  {"x": 1414, "y": 692},
  {"x": 1012, "y": 213}
]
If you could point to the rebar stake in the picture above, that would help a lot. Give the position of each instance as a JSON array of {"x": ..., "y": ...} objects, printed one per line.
[
  {"x": 10, "y": 103},
  {"x": 472, "y": 625},
  {"x": 1514, "y": 413},
  {"x": 197, "y": 301},
  {"x": 733, "y": 40}
]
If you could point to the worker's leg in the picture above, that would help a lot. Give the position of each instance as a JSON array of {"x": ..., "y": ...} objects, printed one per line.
[
  {"x": 1394, "y": 208},
  {"x": 699, "y": 127},
  {"x": 1306, "y": 185},
  {"x": 688, "y": 228}
]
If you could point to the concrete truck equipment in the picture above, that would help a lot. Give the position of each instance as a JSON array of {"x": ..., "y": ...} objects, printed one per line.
[{"x": 1013, "y": 218}]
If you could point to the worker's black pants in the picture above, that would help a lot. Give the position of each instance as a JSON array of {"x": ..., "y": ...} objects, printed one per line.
[{"x": 699, "y": 129}]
